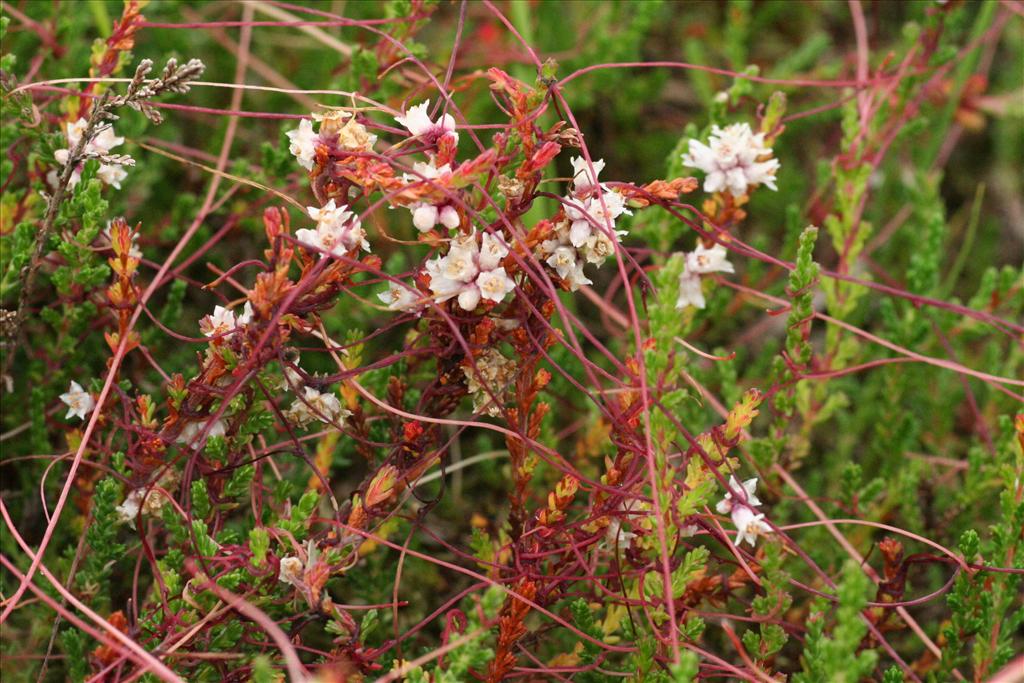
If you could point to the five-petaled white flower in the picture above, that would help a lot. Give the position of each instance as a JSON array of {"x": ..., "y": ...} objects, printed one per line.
[
  {"x": 100, "y": 145},
  {"x": 700, "y": 261},
  {"x": 494, "y": 284},
  {"x": 714, "y": 260},
  {"x": 748, "y": 489},
  {"x": 418, "y": 122},
  {"x": 399, "y": 297},
  {"x": 220, "y": 322},
  {"x": 570, "y": 268},
  {"x": 302, "y": 143},
  {"x": 79, "y": 402},
  {"x": 730, "y": 160},
  {"x": 338, "y": 230},
  {"x": 582, "y": 179}
]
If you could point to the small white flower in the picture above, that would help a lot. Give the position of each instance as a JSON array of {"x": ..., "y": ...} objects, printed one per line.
[
  {"x": 221, "y": 322},
  {"x": 600, "y": 211},
  {"x": 290, "y": 379},
  {"x": 699, "y": 262},
  {"x": 494, "y": 284},
  {"x": 577, "y": 279},
  {"x": 417, "y": 121},
  {"x": 314, "y": 405},
  {"x": 582, "y": 179},
  {"x": 246, "y": 316},
  {"x": 426, "y": 170},
  {"x": 492, "y": 250},
  {"x": 690, "y": 293},
  {"x": 129, "y": 509},
  {"x": 79, "y": 402},
  {"x": 103, "y": 142},
  {"x": 749, "y": 524},
  {"x": 563, "y": 260},
  {"x": 190, "y": 433},
  {"x": 112, "y": 174},
  {"x": 303, "y": 142},
  {"x": 597, "y": 248},
  {"x": 615, "y": 533},
  {"x": 399, "y": 297},
  {"x": 75, "y": 131},
  {"x": 713, "y": 260},
  {"x": 748, "y": 488},
  {"x": 460, "y": 264},
  {"x": 730, "y": 160},
  {"x": 291, "y": 571},
  {"x": 330, "y": 215},
  {"x": 441, "y": 287}
]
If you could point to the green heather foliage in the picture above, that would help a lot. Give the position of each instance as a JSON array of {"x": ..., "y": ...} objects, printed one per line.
[{"x": 746, "y": 404}]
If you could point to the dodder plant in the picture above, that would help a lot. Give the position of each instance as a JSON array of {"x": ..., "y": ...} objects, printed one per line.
[{"x": 442, "y": 410}]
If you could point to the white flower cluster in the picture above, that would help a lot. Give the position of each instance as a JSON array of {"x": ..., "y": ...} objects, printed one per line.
[
  {"x": 588, "y": 235},
  {"x": 749, "y": 522},
  {"x": 100, "y": 145},
  {"x": 471, "y": 271},
  {"x": 490, "y": 375},
  {"x": 337, "y": 128},
  {"x": 223, "y": 320},
  {"x": 316, "y": 405},
  {"x": 418, "y": 122},
  {"x": 700, "y": 262},
  {"x": 338, "y": 230},
  {"x": 730, "y": 160},
  {"x": 425, "y": 215},
  {"x": 79, "y": 401}
]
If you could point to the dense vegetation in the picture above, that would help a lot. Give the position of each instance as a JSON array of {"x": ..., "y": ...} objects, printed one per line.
[{"x": 455, "y": 341}]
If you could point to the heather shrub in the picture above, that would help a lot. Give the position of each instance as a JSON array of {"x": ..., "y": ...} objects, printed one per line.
[{"x": 442, "y": 342}]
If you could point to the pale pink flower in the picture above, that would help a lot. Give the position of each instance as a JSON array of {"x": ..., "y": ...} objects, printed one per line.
[{"x": 730, "y": 160}]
